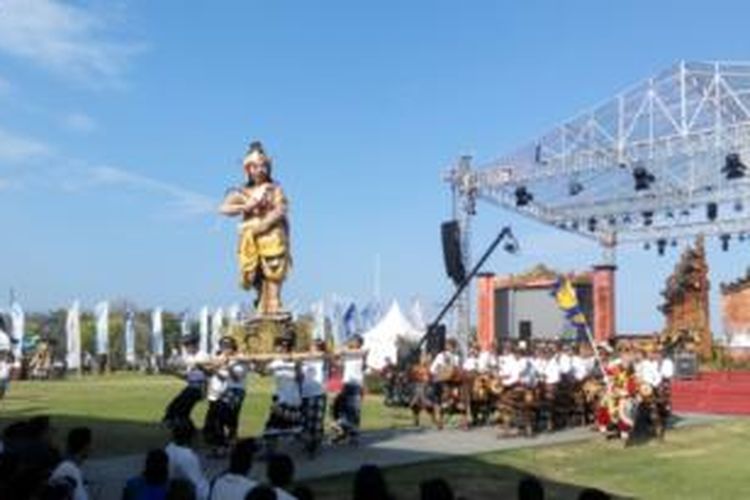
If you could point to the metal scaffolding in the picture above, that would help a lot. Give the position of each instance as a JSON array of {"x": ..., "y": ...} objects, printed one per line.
[{"x": 660, "y": 161}]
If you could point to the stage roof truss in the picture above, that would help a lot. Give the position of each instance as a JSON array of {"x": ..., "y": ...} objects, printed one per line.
[{"x": 678, "y": 126}]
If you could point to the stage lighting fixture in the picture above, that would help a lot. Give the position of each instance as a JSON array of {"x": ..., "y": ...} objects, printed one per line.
[
  {"x": 660, "y": 246},
  {"x": 574, "y": 188},
  {"x": 674, "y": 243},
  {"x": 738, "y": 206},
  {"x": 733, "y": 167},
  {"x": 685, "y": 212},
  {"x": 643, "y": 178},
  {"x": 712, "y": 211},
  {"x": 670, "y": 214},
  {"x": 612, "y": 220},
  {"x": 647, "y": 246},
  {"x": 725, "y": 241},
  {"x": 741, "y": 237},
  {"x": 523, "y": 197},
  {"x": 574, "y": 225},
  {"x": 648, "y": 217},
  {"x": 627, "y": 219},
  {"x": 592, "y": 224}
]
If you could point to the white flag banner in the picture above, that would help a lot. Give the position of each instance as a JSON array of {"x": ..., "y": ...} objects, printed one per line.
[
  {"x": 130, "y": 337},
  {"x": 417, "y": 316},
  {"x": 157, "y": 332},
  {"x": 233, "y": 314},
  {"x": 102, "y": 327},
  {"x": 185, "y": 324},
  {"x": 203, "y": 345},
  {"x": 319, "y": 318},
  {"x": 217, "y": 329},
  {"x": 18, "y": 318},
  {"x": 73, "y": 337}
]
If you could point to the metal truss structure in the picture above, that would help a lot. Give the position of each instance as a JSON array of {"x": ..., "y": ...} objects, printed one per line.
[{"x": 661, "y": 161}]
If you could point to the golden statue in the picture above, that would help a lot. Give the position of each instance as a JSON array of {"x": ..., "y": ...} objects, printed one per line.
[{"x": 263, "y": 250}]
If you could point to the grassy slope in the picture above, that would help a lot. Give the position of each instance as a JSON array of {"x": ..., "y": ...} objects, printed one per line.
[
  {"x": 711, "y": 462},
  {"x": 124, "y": 409}
]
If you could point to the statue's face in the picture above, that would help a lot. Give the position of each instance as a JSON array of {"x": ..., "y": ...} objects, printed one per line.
[{"x": 258, "y": 172}]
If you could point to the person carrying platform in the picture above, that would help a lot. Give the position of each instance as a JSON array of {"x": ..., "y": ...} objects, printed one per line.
[{"x": 193, "y": 364}]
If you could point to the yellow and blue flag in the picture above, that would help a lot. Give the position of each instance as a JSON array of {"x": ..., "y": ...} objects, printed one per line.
[{"x": 567, "y": 301}]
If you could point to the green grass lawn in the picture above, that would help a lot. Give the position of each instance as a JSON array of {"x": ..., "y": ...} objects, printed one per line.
[
  {"x": 124, "y": 409},
  {"x": 707, "y": 462}
]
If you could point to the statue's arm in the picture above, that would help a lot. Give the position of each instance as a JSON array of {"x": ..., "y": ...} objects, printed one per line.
[{"x": 233, "y": 204}]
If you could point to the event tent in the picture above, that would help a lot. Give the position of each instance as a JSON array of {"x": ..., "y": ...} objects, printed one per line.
[{"x": 381, "y": 340}]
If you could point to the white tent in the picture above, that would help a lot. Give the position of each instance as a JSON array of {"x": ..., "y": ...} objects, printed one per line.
[{"x": 381, "y": 340}]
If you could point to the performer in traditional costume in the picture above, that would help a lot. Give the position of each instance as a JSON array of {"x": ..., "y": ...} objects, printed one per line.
[
  {"x": 421, "y": 400},
  {"x": 444, "y": 370},
  {"x": 193, "y": 370},
  {"x": 286, "y": 404},
  {"x": 263, "y": 250}
]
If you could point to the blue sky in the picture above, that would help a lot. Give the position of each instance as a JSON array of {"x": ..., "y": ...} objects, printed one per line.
[{"x": 122, "y": 123}]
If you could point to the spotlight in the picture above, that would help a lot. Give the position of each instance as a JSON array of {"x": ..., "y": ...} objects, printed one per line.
[
  {"x": 712, "y": 211},
  {"x": 725, "y": 241},
  {"x": 647, "y": 246},
  {"x": 612, "y": 220},
  {"x": 733, "y": 167},
  {"x": 574, "y": 225},
  {"x": 574, "y": 188},
  {"x": 685, "y": 212},
  {"x": 627, "y": 219},
  {"x": 660, "y": 246},
  {"x": 674, "y": 243},
  {"x": 592, "y": 224},
  {"x": 648, "y": 217},
  {"x": 523, "y": 197},
  {"x": 738, "y": 206},
  {"x": 643, "y": 178},
  {"x": 742, "y": 237},
  {"x": 670, "y": 214}
]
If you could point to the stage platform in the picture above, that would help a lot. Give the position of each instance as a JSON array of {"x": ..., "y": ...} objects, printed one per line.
[{"x": 713, "y": 392}]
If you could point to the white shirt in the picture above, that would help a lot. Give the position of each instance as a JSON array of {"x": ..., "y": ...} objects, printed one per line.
[
  {"x": 667, "y": 368},
  {"x": 509, "y": 369},
  {"x": 184, "y": 464},
  {"x": 4, "y": 341},
  {"x": 565, "y": 363},
  {"x": 217, "y": 384},
  {"x": 354, "y": 367},
  {"x": 527, "y": 372},
  {"x": 194, "y": 375},
  {"x": 230, "y": 486},
  {"x": 69, "y": 469},
  {"x": 4, "y": 370},
  {"x": 314, "y": 377},
  {"x": 444, "y": 360},
  {"x": 551, "y": 372},
  {"x": 237, "y": 376},
  {"x": 487, "y": 362},
  {"x": 471, "y": 364},
  {"x": 648, "y": 371},
  {"x": 580, "y": 367},
  {"x": 285, "y": 375}
]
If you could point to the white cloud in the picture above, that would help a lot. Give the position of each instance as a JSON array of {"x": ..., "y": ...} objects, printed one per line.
[
  {"x": 67, "y": 39},
  {"x": 79, "y": 122},
  {"x": 183, "y": 201},
  {"x": 18, "y": 149}
]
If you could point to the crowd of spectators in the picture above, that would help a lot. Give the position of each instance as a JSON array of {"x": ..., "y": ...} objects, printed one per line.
[{"x": 32, "y": 468}]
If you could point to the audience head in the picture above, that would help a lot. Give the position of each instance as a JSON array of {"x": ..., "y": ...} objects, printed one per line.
[
  {"x": 435, "y": 489},
  {"x": 157, "y": 467},
  {"x": 303, "y": 493},
  {"x": 261, "y": 492},
  {"x": 241, "y": 459},
  {"x": 369, "y": 483},
  {"x": 530, "y": 488},
  {"x": 59, "y": 489},
  {"x": 181, "y": 489},
  {"x": 79, "y": 443},
  {"x": 280, "y": 470},
  {"x": 182, "y": 433},
  {"x": 593, "y": 494},
  {"x": 39, "y": 428}
]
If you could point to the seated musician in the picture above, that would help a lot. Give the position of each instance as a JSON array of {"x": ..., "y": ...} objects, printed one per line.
[
  {"x": 508, "y": 367},
  {"x": 564, "y": 360},
  {"x": 471, "y": 363},
  {"x": 487, "y": 361}
]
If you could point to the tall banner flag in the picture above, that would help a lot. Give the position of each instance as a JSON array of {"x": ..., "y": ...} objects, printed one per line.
[
  {"x": 18, "y": 319},
  {"x": 157, "y": 332},
  {"x": 102, "y": 327},
  {"x": 417, "y": 316},
  {"x": 73, "y": 337},
  {"x": 337, "y": 313},
  {"x": 318, "y": 311},
  {"x": 130, "y": 337},
  {"x": 185, "y": 323},
  {"x": 350, "y": 322},
  {"x": 233, "y": 314},
  {"x": 203, "y": 346},
  {"x": 217, "y": 329}
]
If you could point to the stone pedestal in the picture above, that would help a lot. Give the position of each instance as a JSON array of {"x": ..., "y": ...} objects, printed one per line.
[
  {"x": 261, "y": 335},
  {"x": 604, "y": 302}
]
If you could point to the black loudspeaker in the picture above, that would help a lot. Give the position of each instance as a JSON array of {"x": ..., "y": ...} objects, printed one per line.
[
  {"x": 435, "y": 339},
  {"x": 524, "y": 330},
  {"x": 454, "y": 263},
  {"x": 686, "y": 365}
]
